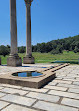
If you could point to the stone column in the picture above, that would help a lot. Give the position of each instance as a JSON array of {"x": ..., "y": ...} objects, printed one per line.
[
  {"x": 29, "y": 59},
  {"x": 14, "y": 59}
]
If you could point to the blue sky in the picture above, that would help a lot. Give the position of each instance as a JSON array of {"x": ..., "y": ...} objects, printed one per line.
[{"x": 51, "y": 20}]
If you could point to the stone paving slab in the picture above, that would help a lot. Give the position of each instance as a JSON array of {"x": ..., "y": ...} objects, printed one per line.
[
  {"x": 14, "y": 91},
  {"x": 70, "y": 102},
  {"x": 44, "y": 97},
  {"x": 18, "y": 99},
  {"x": 73, "y": 90},
  {"x": 61, "y": 94},
  {"x": 55, "y": 88},
  {"x": 61, "y": 81},
  {"x": 2, "y": 94},
  {"x": 68, "y": 85},
  {"x": 76, "y": 83},
  {"x": 53, "y": 107},
  {"x": 64, "y": 94},
  {"x": 68, "y": 79},
  {"x": 3, "y": 104},
  {"x": 35, "y": 90},
  {"x": 52, "y": 83},
  {"x": 13, "y": 107},
  {"x": 1, "y": 88},
  {"x": 10, "y": 86}
]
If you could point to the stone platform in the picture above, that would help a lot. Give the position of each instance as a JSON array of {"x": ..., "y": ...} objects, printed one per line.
[
  {"x": 61, "y": 94},
  {"x": 48, "y": 74}
]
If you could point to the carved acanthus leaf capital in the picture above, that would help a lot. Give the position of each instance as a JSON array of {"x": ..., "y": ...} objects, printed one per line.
[{"x": 28, "y": 2}]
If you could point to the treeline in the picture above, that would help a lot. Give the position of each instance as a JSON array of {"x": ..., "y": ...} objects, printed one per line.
[
  {"x": 54, "y": 46},
  {"x": 5, "y": 50},
  {"x": 57, "y": 46}
]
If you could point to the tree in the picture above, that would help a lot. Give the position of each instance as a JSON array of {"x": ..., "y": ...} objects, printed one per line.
[
  {"x": 38, "y": 47},
  {"x": 21, "y": 49},
  {"x": 48, "y": 47},
  {"x": 59, "y": 48},
  {"x": 4, "y": 50},
  {"x": 8, "y": 46},
  {"x": 76, "y": 49},
  {"x": 42, "y": 47},
  {"x": 34, "y": 48}
]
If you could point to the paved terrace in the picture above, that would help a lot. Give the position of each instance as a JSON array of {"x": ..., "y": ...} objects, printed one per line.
[{"x": 61, "y": 94}]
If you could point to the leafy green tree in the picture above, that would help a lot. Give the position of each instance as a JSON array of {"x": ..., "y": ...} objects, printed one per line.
[
  {"x": 60, "y": 48},
  {"x": 4, "y": 50},
  {"x": 42, "y": 47},
  {"x": 48, "y": 47},
  {"x": 76, "y": 49},
  {"x": 34, "y": 48},
  {"x": 38, "y": 47},
  {"x": 8, "y": 46},
  {"x": 21, "y": 49}
]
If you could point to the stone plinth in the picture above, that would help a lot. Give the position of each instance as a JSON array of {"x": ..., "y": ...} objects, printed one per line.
[
  {"x": 29, "y": 60},
  {"x": 32, "y": 82},
  {"x": 0, "y": 61},
  {"x": 14, "y": 61}
]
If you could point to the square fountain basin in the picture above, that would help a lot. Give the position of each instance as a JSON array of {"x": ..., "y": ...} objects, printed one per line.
[{"x": 32, "y": 82}]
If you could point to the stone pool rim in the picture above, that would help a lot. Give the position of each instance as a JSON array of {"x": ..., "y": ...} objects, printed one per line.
[
  {"x": 36, "y": 82},
  {"x": 29, "y": 76}
]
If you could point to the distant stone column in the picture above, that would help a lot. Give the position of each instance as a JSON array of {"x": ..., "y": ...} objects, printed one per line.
[
  {"x": 14, "y": 59},
  {"x": 29, "y": 59}
]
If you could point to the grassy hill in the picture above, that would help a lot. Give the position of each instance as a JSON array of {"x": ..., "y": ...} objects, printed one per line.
[{"x": 66, "y": 49}]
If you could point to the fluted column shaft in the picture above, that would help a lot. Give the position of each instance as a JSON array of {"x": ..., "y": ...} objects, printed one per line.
[
  {"x": 13, "y": 27},
  {"x": 29, "y": 59},
  {"x": 13, "y": 60},
  {"x": 28, "y": 30}
]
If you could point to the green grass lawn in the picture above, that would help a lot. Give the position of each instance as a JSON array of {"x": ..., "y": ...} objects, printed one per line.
[{"x": 47, "y": 57}]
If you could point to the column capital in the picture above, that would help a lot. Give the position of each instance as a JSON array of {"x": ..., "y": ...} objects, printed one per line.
[{"x": 28, "y": 2}]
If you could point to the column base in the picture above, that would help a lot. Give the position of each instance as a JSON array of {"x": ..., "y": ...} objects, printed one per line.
[
  {"x": 29, "y": 60},
  {"x": 0, "y": 61},
  {"x": 14, "y": 61}
]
